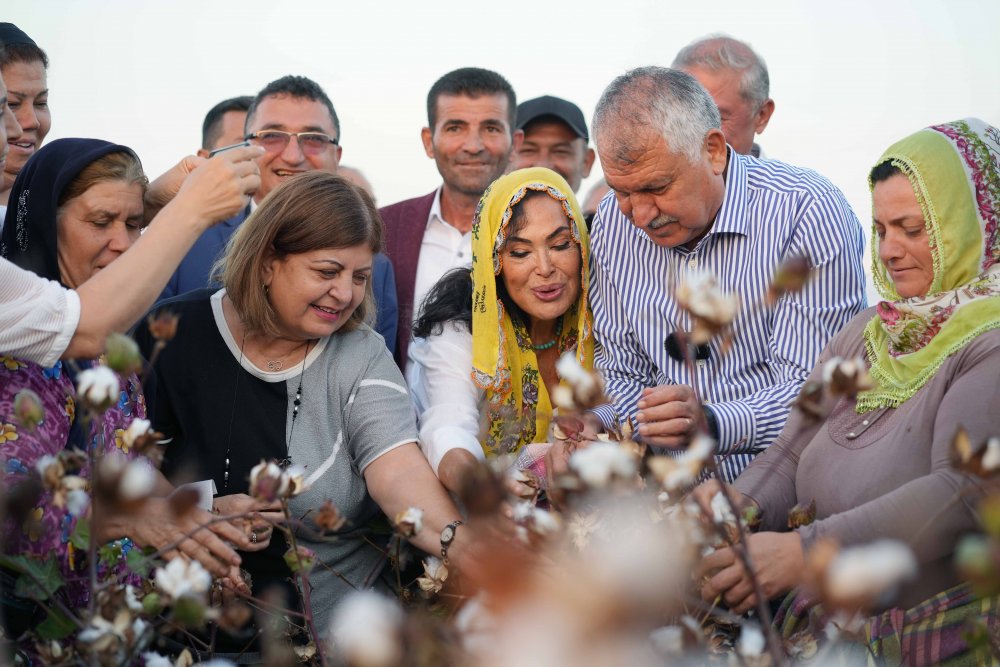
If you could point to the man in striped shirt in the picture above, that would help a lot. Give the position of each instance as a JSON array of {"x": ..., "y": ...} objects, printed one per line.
[{"x": 686, "y": 202}]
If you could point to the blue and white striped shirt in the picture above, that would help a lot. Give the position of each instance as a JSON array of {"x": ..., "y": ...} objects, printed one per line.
[{"x": 770, "y": 211}]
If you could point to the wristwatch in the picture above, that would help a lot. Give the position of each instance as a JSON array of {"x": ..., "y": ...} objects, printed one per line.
[{"x": 447, "y": 537}]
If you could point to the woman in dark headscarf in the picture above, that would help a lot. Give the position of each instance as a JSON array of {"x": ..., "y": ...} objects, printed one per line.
[{"x": 76, "y": 207}]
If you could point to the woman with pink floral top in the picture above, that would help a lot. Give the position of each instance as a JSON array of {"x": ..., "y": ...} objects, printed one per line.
[{"x": 76, "y": 207}]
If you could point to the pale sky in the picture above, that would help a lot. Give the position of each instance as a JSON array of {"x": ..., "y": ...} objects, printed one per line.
[{"x": 848, "y": 78}]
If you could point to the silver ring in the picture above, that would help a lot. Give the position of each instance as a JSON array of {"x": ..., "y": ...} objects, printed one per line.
[{"x": 253, "y": 537}]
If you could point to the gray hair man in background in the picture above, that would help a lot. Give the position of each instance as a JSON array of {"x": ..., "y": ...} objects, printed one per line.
[
  {"x": 685, "y": 203},
  {"x": 737, "y": 80}
]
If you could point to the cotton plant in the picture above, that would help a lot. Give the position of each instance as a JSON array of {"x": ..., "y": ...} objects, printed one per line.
[
  {"x": 977, "y": 556},
  {"x": 711, "y": 309},
  {"x": 134, "y": 594},
  {"x": 366, "y": 630}
]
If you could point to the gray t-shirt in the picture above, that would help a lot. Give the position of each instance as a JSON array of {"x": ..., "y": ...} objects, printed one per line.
[
  {"x": 223, "y": 415},
  {"x": 355, "y": 408}
]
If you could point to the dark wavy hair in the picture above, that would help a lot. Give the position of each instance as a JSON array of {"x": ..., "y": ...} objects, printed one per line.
[{"x": 450, "y": 300}]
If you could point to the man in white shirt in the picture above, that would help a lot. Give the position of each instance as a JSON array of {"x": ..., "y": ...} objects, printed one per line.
[
  {"x": 737, "y": 80},
  {"x": 470, "y": 135}
]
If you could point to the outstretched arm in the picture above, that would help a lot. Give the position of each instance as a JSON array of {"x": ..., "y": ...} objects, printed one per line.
[{"x": 118, "y": 295}]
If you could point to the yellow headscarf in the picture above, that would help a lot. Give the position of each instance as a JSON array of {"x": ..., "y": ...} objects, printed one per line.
[{"x": 503, "y": 361}]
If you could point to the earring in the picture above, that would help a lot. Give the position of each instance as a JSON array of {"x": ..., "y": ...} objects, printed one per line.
[{"x": 266, "y": 289}]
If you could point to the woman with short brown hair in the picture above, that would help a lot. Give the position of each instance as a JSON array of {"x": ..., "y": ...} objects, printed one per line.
[{"x": 281, "y": 365}]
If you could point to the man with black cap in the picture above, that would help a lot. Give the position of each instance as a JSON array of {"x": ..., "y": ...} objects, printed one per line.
[{"x": 555, "y": 136}]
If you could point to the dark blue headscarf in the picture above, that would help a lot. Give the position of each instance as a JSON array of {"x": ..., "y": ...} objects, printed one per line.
[{"x": 29, "y": 230}]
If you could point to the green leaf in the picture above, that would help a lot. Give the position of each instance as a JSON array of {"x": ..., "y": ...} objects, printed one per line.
[
  {"x": 109, "y": 554},
  {"x": 38, "y": 580},
  {"x": 80, "y": 537},
  {"x": 139, "y": 562},
  {"x": 56, "y": 626}
]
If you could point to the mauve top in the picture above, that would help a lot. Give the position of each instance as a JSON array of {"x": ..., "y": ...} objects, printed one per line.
[{"x": 886, "y": 473}]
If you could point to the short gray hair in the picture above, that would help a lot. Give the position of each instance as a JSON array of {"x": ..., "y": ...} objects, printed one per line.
[
  {"x": 668, "y": 100},
  {"x": 721, "y": 52}
]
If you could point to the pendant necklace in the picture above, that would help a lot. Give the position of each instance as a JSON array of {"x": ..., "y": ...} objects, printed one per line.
[{"x": 296, "y": 404}]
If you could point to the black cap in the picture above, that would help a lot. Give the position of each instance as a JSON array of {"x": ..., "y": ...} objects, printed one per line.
[
  {"x": 11, "y": 34},
  {"x": 547, "y": 105}
]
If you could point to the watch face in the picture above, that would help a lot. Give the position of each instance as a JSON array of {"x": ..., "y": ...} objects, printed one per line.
[{"x": 448, "y": 534}]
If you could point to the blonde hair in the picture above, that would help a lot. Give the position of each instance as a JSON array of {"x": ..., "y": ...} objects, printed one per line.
[{"x": 312, "y": 211}]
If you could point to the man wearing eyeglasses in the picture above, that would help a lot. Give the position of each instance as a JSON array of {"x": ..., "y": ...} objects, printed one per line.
[{"x": 296, "y": 124}]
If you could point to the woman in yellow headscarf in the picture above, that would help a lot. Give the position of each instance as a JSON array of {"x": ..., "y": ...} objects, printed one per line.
[
  {"x": 879, "y": 468},
  {"x": 486, "y": 345}
]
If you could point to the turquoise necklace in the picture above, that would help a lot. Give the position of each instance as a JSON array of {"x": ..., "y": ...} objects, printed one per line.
[{"x": 545, "y": 346}]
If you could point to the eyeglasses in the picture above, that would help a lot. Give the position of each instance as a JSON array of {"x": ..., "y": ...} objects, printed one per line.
[{"x": 275, "y": 141}]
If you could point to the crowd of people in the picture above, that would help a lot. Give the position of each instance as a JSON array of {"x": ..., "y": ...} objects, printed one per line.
[{"x": 386, "y": 351}]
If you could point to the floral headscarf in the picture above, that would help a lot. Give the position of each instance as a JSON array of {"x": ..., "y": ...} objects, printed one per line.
[
  {"x": 503, "y": 361},
  {"x": 954, "y": 170}
]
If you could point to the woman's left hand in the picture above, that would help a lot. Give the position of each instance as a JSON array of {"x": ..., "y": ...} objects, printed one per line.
[
  {"x": 777, "y": 559},
  {"x": 257, "y": 519}
]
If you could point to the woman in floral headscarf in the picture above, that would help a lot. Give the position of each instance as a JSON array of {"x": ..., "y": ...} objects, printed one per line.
[
  {"x": 879, "y": 467},
  {"x": 483, "y": 363}
]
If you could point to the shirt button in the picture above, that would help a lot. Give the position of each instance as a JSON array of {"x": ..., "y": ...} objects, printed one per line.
[{"x": 693, "y": 262}]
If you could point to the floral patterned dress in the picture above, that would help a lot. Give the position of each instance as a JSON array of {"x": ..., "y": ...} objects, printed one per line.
[{"x": 47, "y": 529}]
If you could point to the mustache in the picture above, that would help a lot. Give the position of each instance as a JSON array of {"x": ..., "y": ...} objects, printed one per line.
[{"x": 661, "y": 221}]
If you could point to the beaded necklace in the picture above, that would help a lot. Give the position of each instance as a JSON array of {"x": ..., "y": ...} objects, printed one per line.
[
  {"x": 296, "y": 404},
  {"x": 545, "y": 346}
]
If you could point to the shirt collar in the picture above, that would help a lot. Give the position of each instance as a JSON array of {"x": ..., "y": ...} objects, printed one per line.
[
  {"x": 435, "y": 212},
  {"x": 731, "y": 218}
]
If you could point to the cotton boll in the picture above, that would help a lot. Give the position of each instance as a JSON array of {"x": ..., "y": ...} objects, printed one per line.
[
  {"x": 869, "y": 572},
  {"x": 601, "y": 462},
  {"x": 365, "y": 630},
  {"x": 181, "y": 578},
  {"x": 98, "y": 388},
  {"x": 751, "y": 642}
]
